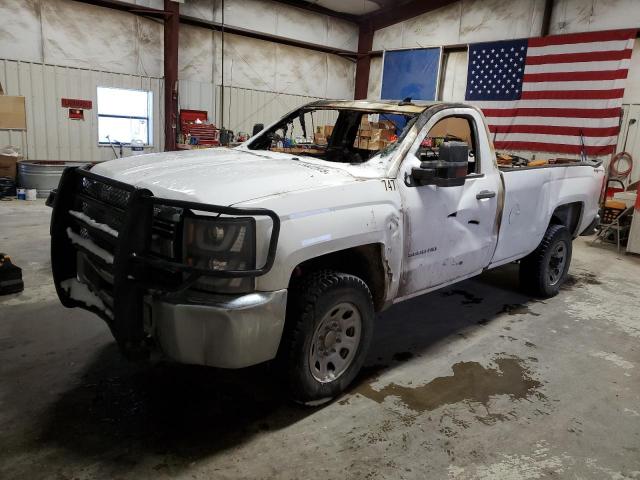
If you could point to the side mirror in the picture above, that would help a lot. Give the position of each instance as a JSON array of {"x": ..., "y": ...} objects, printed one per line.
[{"x": 450, "y": 170}]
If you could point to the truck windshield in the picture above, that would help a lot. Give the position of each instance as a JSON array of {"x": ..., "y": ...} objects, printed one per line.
[{"x": 336, "y": 135}]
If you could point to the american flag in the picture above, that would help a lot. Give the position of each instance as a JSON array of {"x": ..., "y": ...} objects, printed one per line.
[{"x": 542, "y": 94}]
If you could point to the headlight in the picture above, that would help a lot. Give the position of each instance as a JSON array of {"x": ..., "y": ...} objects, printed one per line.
[{"x": 214, "y": 243}]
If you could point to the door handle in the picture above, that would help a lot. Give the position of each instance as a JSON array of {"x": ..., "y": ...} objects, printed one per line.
[{"x": 485, "y": 194}]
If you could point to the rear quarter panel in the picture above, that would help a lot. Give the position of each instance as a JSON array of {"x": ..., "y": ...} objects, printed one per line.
[{"x": 531, "y": 197}]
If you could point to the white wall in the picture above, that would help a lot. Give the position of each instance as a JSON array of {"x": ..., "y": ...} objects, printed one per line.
[
  {"x": 464, "y": 21},
  {"x": 75, "y": 38}
]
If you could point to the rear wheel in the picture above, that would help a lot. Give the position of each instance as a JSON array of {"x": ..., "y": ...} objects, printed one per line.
[
  {"x": 328, "y": 331},
  {"x": 543, "y": 271}
]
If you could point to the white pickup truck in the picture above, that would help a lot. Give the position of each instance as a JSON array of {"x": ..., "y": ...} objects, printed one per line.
[{"x": 284, "y": 248}]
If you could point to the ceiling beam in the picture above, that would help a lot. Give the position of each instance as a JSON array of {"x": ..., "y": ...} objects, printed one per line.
[
  {"x": 269, "y": 37},
  {"x": 128, "y": 7},
  {"x": 404, "y": 11},
  {"x": 314, "y": 7},
  {"x": 217, "y": 26}
]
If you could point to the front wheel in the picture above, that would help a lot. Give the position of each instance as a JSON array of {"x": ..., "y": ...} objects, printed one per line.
[
  {"x": 328, "y": 331},
  {"x": 543, "y": 271}
]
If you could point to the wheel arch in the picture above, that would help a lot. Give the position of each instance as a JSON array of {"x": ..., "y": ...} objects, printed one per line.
[
  {"x": 568, "y": 215},
  {"x": 364, "y": 261}
]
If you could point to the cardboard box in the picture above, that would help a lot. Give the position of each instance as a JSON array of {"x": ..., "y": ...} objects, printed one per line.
[
  {"x": 376, "y": 145},
  {"x": 319, "y": 139},
  {"x": 8, "y": 165},
  {"x": 380, "y": 134},
  {"x": 12, "y": 113},
  {"x": 386, "y": 125},
  {"x": 362, "y": 143},
  {"x": 458, "y": 127}
]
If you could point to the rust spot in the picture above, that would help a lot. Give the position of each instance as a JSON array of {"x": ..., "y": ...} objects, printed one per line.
[{"x": 470, "y": 382}]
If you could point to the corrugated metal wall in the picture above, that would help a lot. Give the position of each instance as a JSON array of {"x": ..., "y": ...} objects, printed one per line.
[
  {"x": 243, "y": 107},
  {"x": 50, "y": 134}
]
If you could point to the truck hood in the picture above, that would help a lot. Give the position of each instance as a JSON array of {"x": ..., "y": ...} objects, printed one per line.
[{"x": 221, "y": 176}]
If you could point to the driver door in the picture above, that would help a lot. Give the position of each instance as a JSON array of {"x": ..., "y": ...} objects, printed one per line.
[{"x": 450, "y": 231}]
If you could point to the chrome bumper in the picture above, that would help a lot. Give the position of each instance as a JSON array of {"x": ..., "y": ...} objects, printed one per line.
[{"x": 227, "y": 333}]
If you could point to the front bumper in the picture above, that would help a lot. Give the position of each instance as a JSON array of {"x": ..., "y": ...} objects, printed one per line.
[
  {"x": 232, "y": 332},
  {"x": 102, "y": 261}
]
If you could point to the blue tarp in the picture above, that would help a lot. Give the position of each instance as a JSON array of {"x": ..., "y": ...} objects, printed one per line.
[{"x": 410, "y": 73}]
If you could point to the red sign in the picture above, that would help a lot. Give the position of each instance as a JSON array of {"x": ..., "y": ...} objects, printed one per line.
[
  {"x": 76, "y": 114},
  {"x": 75, "y": 103}
]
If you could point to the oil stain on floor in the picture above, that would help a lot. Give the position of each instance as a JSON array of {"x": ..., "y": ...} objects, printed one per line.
[{"x": 470, "y": 382}]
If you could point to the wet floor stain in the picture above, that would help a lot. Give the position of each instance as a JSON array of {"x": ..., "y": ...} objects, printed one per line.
[
  {"x": 469, "y": 298},
  {"x": 580, "y": 280},
  {"x": 471, "y": 382},
  {"x": 517, "y": 309},
  {"x": 402, "y": 356}
]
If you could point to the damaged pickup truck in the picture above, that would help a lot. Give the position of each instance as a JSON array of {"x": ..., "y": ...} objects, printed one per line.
[{"x": 285, "y": 247}]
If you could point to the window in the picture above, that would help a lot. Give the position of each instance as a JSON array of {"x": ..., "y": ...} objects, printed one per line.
[
  {"x": 450, "y": 129},
  {"x": 124, "y": 115}
]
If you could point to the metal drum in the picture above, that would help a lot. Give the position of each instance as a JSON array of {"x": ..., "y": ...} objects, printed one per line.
[{"x": 43, "y": 175}]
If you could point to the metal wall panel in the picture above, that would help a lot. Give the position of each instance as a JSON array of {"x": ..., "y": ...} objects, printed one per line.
[
  {"x": 50, "y": 134},
  {"x": 243, "y": 107}
]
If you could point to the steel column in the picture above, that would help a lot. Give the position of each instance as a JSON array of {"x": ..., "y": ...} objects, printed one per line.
[
  {"x": 546, "y": 18},
  {"x": 171, "y": 38},
  {"x": 363, "y": 64}
]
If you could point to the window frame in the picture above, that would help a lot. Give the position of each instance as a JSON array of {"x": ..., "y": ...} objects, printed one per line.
[
  {"x": 148, "y": 118},
  {"x": 475, "y": 140}
]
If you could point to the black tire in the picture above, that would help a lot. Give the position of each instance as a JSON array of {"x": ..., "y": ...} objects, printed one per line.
[
  {"x": 311, "y": 303},
  {"x": 541, "y": 273}
]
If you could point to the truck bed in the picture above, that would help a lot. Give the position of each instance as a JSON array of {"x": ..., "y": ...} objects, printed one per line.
[{"x": 532, "y": 194}]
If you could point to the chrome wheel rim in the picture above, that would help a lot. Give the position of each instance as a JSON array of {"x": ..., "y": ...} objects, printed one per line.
[
  {"x": 557, "y": 262},
  {"x": 335, "y": 342}
]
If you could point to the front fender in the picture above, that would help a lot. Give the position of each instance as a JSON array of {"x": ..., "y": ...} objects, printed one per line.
[{"x": 328, "y": 220}]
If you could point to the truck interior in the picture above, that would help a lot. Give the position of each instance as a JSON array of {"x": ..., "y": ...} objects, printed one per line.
[
  {"x": 453, "y": 128},
  {"x": 336, "y": 135}
]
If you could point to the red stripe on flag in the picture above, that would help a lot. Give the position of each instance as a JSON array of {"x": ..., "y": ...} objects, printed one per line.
[
  {"x": 576, "y": 76},
  {"x": 573, "y": 94},
  {"x": 579, "y": 57},
  {"x": 554, "y": 147},
  {"x": 553, "y": 112},
  {"x": 552, "y": 130},
  {"x": 583, "y": 37}
]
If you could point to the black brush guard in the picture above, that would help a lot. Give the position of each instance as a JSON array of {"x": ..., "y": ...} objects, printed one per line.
[{"x": 135, "y": 270}]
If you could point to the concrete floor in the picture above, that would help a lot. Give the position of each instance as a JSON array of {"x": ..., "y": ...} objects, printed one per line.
[{"x": 476, "y": 381}]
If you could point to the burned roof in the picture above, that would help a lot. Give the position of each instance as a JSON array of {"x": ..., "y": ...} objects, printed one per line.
[{"x": 375, "y": 105}]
